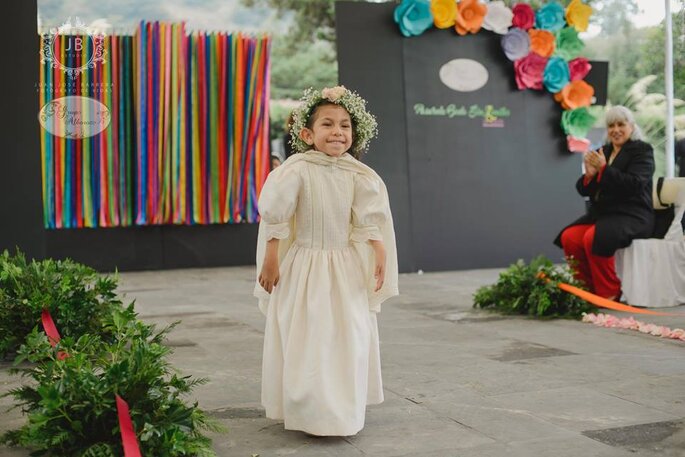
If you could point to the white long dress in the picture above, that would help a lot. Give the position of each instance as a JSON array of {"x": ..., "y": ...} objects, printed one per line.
[{"x": 321, "y": 361}]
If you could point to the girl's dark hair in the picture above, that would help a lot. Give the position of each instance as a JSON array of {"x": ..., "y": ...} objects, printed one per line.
[{"x": 311, "y": 117}]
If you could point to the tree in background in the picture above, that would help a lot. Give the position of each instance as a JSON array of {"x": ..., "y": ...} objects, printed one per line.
[
  {"x": 636, "y": 70},
  {"x": 305, "y": 56}
]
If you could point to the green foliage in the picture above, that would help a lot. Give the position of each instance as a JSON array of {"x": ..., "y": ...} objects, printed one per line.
[
  {"x": 76, "y": 296},
  {"x": 650, "y": 115},
  {"x": 71, "y": 404},
  {"x": 635, "y": 53},
  {"x": 520, "y": 289},
  {"x": 298, "y": 66},
  {"x": 314, "y": 20},
  {"x": 636, "y": 73}
]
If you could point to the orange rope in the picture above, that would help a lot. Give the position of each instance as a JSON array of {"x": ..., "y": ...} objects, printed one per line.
[{"x": 605, "y": 302}]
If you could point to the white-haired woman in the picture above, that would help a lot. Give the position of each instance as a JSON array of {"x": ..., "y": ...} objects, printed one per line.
[{"x": 618, "y": 181}]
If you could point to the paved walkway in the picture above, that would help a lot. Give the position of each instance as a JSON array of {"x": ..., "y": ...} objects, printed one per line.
[{"x": 458, "y": 382}]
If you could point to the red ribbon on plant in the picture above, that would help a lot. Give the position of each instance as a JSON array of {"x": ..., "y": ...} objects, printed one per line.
[
  {"x": 128, "y": 434},
  {"x": 50, "y": 328},
  {"x": 52, "y": 333}
]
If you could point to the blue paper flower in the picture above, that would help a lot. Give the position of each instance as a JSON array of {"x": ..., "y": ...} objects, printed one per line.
[
  {"x": 516, "y": 44},
  {"x": 557, "y": 74},
  {"x": 414, "y": 17},
  {"x": 550, "y": 17}
]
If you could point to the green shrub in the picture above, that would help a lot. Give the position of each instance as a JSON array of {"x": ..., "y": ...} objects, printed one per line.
[
  {"x": 71, "y": 407},
  {"x": 520, "y": 289},
  {"x": 76, "y": 296}
]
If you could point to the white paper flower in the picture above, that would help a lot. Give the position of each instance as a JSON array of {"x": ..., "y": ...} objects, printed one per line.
[{"x": 499, "y": 17}]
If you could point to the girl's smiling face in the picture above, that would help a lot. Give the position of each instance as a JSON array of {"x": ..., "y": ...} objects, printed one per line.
[{"x": 331, "y": 130}]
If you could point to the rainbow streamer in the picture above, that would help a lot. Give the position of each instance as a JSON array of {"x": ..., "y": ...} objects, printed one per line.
[{"x": 187, "y": 141}]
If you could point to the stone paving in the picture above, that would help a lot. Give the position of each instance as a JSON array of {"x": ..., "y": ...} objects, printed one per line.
[{"x": 458, "y": 382}]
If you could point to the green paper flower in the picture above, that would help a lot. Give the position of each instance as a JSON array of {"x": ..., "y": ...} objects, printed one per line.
[
  {"x": 569, "y": 45},
  {"x": 577, "y": 122}
]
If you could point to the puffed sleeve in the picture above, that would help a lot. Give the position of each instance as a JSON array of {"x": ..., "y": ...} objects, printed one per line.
[
  {"x": 278, "y": 200},
  {"x": 276, "y": 204},
  {"x": 369, "y": 209},
  {"x": 372, "y": 220}
]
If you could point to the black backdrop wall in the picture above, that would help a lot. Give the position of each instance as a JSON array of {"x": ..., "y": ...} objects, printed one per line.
[
  {"x": 21, "y": 223},
  {"x": 20, "y": 185},
  {"x": 464, "y": 195}
]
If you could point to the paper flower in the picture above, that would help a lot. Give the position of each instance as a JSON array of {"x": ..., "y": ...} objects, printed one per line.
[
  {"x": 629, "y": 323},
  {"x": 577, "y": 145},
  {"x": 550, "y": 17},
  {"x": 578, "y": 15},
  {"x": 444, "y": 13},
  {"x": 556, "y": 75},
  {"x": 470, "y": 15},
  {"x": 524, "y": 16},
  {"x": 542, "y": 42},
  {"x": 413, "y": 17},
  {"x": 498, "y": 18},
  {"x": 577, "y": 122},
  {"x": 569, "y": 45},
  {"x": 516, "y": 44},
  {"x": 529, "y": 71},
  {"x": 678, "y": 333},
  {"x": 575, "y": 95},
  {"x": 579, "y": 68}
]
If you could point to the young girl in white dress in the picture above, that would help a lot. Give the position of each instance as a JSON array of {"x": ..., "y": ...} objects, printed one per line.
[{"x": 326, "y": 259}]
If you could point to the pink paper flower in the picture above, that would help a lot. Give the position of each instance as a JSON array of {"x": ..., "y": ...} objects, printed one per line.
[
  {"x": 659, "y": 330},
  {"x": 577, "y": 144},
  {"x": 678, "y": 333},
  {"x": 524, "y": 16},
  {"x": 629, "y": 323},
  {"x": 529, "y": 71},
  {"x": 579, "y": 68}
]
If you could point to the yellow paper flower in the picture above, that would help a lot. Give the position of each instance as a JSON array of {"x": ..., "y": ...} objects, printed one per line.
[
  {"x": 578, "y": 15},
  {"x": 444, "y": 13}
]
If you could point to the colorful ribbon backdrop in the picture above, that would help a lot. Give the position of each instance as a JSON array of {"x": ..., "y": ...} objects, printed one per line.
[{"x": 188, "y": 141}]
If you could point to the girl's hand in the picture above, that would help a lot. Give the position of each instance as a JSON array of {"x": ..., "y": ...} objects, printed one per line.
[
  {"x": 379, "y": 270},
  {"x": 269, "y": 276}
]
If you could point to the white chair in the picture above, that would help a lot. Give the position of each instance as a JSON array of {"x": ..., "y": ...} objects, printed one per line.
[{"x": 652, "y": 271}]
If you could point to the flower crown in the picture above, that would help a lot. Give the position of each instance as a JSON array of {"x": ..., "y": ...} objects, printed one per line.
[{"x": 365, "y": 126}]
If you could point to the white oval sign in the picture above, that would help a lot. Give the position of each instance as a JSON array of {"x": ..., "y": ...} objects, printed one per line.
[
  {"x": 74, "y": 117},
  {"x": 463, "y": 75}
]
